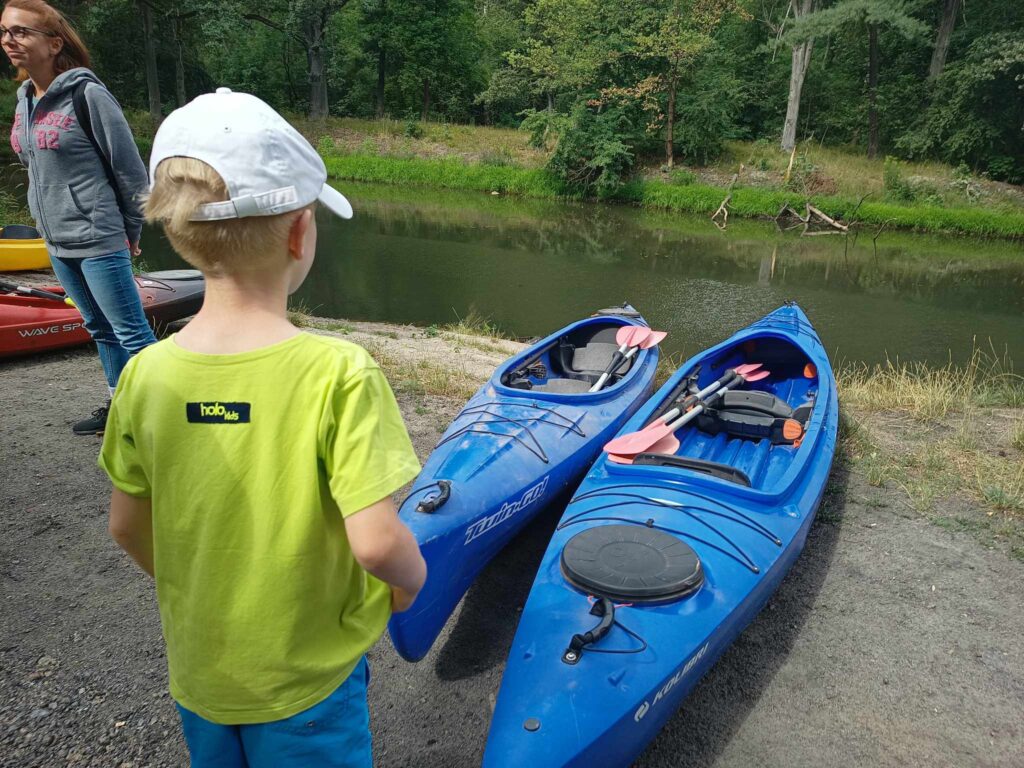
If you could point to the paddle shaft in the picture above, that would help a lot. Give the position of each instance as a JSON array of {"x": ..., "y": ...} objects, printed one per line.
[
  {"x": 710, "y": 388},
  {"x": 628, "y": 336},
  {"x": 691, "y": 414},
  {"x": 614, "y": 367},
  {"x": 25, "y": 291}
]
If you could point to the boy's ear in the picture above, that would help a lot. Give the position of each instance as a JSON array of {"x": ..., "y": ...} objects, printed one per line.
[{"x": 297, "y": 233}]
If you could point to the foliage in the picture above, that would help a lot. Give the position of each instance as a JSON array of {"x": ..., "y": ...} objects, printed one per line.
[
  {"x": 976, "y": 113},
  {"x": 705, "y": 71},
  {"x": 591, "y": 156}
]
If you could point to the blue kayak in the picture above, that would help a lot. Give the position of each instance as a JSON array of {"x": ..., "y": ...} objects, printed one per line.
[
  {"x": 528, "y": 435},
  {"x": 657, "y": 565}
]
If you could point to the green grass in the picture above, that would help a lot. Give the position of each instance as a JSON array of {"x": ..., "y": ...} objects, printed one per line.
[
  {"x": 940, "y": 433},
  {"x": 446, "y": 173},
  {"x": 693, "y": 198},
  {"x": 475, "y": 324}
]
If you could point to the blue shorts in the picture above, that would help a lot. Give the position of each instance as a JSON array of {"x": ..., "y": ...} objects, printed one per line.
[{"x": 333, "y": 734}]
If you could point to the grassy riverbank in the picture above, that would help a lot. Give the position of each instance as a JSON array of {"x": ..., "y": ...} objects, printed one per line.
[
  {"x": 451, "y": 173},
  {"x": 948, "y": 440},
  {"x": 922, "y": 196}
]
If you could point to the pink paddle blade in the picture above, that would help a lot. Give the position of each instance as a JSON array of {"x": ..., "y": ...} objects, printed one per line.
[
  {"x": 757, "y": 376},
  {"x": 747, "y": 368},
  {"x": 655, "y": 338},
  {"x": 614, "y": 457},
  {"x": 667, "y": 444},
  {"x": 631, "y": 335},
  {"x": 637, "y": 442}
]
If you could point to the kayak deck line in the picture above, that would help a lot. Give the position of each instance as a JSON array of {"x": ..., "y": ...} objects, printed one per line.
[
  {"x": 572, "y": 424},
  {"x": 742, "y": 557},
  {"x": 738, "y": 517},
  {"x": 479, "y": 411}
]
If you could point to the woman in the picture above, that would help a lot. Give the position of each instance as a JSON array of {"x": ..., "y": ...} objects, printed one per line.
[{"x": 86, "y": 205}]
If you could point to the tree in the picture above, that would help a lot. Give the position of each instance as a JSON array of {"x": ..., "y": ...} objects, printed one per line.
[
  {"x": 801, "y": 60},
  {"x": 306, "y": 21},
  {"x": 977, "y": 111},
  {"x": 681, "y": 32},
  {"x": 436, "y": 46},
  {"x": 949, "y": 11},
  {"x": 152, "y": 77},
  {"x": 869, "y": 15}
]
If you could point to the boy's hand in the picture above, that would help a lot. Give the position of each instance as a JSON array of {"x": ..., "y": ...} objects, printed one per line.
[{"x": 401, "y": 600}]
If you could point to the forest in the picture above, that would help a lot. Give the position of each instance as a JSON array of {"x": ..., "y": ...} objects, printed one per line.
[{"x": 602, "y": 86}]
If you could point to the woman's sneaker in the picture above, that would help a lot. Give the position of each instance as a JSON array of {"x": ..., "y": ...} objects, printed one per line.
[{"x": 95, "y": 424}]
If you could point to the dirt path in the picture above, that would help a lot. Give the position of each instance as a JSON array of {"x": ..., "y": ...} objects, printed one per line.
[{"x": 892, "y": 642}]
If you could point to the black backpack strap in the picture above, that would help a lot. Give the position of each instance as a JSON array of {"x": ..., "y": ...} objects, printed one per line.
[{"x": 82, "y": 115}]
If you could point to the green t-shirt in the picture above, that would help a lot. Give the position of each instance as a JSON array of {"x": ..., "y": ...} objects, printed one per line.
[{"x": 252, "y": 460}]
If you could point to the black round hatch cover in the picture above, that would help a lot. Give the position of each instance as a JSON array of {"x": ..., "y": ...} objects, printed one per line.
[{"x": 631, "y": 563}]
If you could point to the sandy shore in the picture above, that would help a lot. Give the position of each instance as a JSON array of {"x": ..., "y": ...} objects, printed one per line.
[{"x": 893, "y": 641}]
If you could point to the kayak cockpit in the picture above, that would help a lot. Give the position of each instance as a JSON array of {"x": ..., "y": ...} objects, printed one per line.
[
  {"x": 569, "y": 364},
  {"x": 751, "y": 436}
]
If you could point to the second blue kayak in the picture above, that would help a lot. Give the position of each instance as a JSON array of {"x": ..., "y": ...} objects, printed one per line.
[
  {"x": 658, "y": 564},
  {"x": 526, "y": 436}
]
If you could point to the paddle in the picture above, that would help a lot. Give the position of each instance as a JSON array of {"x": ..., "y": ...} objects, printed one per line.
[
  {"x": 25, "y": 291},
  {"x": 627, "y": 336},
  {"x": 690, "y": 400},
  {"x": 648, "y": 437},
  {"x": 652, "y": 340}
]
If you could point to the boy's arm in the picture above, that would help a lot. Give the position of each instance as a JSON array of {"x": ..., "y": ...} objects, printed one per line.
[
  {"x": 131, "y": 525},
  {"x": 386, "y": 548}
]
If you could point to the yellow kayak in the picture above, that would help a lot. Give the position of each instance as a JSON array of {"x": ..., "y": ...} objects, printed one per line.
[{"x": 21, "y": 248}]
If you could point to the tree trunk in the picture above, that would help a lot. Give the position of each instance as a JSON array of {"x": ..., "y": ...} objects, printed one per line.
[
  {"x": 152, "y": 77},
  {"x": 949, "y": 14},
  {"x": 426, "y": 99},
  {"x": 179, "y": 64},
  {"x": 798, "y": 71},
  {"x": 312, "y": 31},
  {"x": 381, "y": 64},
  {"x": 872, "y": 90},
  {"x": 671, "y": 126}
]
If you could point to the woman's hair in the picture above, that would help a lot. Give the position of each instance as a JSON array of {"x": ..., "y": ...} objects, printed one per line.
[
  {"x": 180, "y": 186},
  {"x": 73, "y": 53}
]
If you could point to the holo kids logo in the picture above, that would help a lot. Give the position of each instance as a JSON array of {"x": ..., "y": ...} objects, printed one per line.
[{"x": 218, "y": 413}]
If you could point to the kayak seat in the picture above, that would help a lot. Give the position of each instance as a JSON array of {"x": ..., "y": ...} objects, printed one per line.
[
  {"x": 574, "y": 363},
  {"x": 585, "y": 357},
  {"x": 562, "y": 386},
  {"x": 19, "y": 232},
  {"x": 593, "y": 357},
  {"x": 755, "y": 415}
]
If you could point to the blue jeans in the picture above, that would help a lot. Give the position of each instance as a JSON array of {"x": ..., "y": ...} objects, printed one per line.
[
  {"x": 332, "y": 734},
  {"x": 103, "y": 289}
]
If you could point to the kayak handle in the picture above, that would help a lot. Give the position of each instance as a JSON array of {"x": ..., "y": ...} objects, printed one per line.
[
  {"x": 604, "y": 608},
  {"x": 435, "y": 502}
]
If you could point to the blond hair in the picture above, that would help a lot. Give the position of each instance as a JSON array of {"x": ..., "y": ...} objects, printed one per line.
[{"x": 180, "y": 186}]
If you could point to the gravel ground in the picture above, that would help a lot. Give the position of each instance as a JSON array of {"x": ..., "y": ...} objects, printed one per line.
[{"x": 893, "y": 642}]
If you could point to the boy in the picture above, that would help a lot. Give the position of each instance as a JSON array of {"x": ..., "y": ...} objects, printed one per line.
[{"x": 253, "y": 464}]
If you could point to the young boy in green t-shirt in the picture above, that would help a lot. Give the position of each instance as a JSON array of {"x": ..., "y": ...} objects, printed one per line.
[{"x": 253, "y": 464}]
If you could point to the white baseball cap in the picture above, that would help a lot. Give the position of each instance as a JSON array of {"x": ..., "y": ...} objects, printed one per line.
[{"x": 268, "y": 166}]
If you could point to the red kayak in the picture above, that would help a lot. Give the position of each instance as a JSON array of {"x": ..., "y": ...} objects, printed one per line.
[{"x": 29, "y": 324}]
